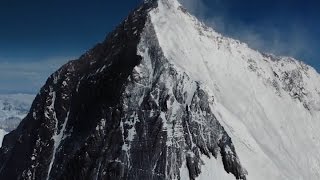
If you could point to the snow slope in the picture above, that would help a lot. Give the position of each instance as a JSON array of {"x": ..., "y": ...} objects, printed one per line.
[
  {"x": 2, "y": 134},
  {"x": 269, "y": 105}
]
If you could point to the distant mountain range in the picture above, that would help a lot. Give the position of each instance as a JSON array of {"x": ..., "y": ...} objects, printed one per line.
[{"x": 13, "y": 108}]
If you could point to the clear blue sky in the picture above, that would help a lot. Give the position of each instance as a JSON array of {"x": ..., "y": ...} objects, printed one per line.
[{"x": 36, "y": 37}]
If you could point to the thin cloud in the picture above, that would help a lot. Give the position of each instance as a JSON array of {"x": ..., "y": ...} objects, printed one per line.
[
  {"x": 27, "y": 77},
  {"x": 195, "y": 6},
  {"x": 285, "y": 41}
]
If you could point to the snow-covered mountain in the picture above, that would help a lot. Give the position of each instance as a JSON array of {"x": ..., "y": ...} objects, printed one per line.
[
  {"x": 13, "y": 108},
  {"x": 165, "y": 97}
]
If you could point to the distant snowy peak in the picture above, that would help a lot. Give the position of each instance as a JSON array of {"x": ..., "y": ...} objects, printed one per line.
[{"x": 13, "y": 108}]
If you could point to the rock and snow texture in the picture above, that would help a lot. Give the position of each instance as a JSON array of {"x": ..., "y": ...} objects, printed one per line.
[
  {"x": 165, "y": 97},
  {"x": 269, "y": 105}
]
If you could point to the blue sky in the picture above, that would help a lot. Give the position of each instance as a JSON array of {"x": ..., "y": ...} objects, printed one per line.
[{"x": 36, "y": 37}]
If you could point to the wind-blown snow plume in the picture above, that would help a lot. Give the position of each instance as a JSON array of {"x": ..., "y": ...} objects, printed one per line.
[{"x": 290, "y": 39}]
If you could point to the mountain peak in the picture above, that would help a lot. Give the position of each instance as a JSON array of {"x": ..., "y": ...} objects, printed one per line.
[{"x": 166, "y": 97}]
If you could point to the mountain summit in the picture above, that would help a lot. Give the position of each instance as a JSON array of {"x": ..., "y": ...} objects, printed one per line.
[{"x": 165, "y": 97}]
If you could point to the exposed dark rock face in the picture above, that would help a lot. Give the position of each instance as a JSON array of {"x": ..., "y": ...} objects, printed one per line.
[{"x": 121, "y": 111}]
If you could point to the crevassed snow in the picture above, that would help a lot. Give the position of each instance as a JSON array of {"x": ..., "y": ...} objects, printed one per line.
[
  {"x": 275, "y": 135},
  {"x": 2, "y": 134}
]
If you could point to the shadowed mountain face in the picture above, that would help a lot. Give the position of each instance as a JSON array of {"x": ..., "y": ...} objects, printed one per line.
[{"x": 136, "y": 106}]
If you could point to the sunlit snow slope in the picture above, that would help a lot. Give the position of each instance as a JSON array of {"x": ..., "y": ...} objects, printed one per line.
[
  {"x": 2, "y": 134},
  {"x": 269, "y": 105}
]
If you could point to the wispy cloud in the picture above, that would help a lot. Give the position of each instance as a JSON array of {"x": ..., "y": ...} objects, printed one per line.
[
  {"x": 292, "y": 40},
  {"x": 195, "y": 6},
  {"x": 27, "y": 77}
]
